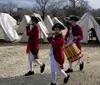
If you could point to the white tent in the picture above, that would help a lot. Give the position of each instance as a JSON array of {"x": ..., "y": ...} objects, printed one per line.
[
  {"x": 55, "y": 20},
  {"x": 43, "y": 30},
  {"x": 7, "y": 24},
  {"x": 24, "y": 37},
  {"x": 23, "y": 23},
  {"x": 49, "y": 23},
  {"x": 87, "y": 22}
]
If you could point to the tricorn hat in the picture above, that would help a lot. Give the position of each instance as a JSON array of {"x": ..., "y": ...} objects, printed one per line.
[
  {"x": 75, "y": 18},
  {"x": 36, "y": 19},
  {"x": 58, "y": 25}
]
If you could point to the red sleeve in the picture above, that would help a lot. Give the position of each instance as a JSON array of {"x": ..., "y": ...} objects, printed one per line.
[
  {"x": 29, "y": 33},
  {"x": 32, "y": 32},
  {"x": 57, "y": 43}
]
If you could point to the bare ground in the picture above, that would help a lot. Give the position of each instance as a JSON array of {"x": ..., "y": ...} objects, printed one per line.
[{"x": 14, "y": 64}]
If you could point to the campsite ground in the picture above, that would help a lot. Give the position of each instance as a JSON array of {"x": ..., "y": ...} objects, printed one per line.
[{"x": 14, "y": 64}]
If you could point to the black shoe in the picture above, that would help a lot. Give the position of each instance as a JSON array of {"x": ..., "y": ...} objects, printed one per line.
[
  {"x": 66, "y": 79},
  {"x": 52, "y": 83},
  {"x": 42, "y": 68},
  {"x": 69, "y": 70},
  {"x": 29, "y": 73},
  {"x": 81, "y": 66}
]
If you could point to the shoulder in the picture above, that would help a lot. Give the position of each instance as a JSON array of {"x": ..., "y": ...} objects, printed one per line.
[
  {"x": 61, "y": 37},
  {"x": 79, "y": 27},
  {"x": 36, "y": 28}
]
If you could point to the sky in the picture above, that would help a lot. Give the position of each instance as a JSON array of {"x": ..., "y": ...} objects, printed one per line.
[
  {"x": 27, "y": 3},
  {"x": 20, "y": 3},
  {"x": 94, "y": 3}
]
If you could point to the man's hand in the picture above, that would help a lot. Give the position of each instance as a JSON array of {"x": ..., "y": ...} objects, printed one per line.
[
  {"x": 50, "y": 35},
  {"x": 28, "y": 26},
  {"x": 75, "y": 38}
]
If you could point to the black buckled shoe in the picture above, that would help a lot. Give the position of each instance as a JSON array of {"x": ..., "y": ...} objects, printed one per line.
[
  {"x": 42, "y": 68},
  {"x": 66, "y": 79},
  {"x": 52, "y": 83},
  {"x": 69, "y": 70},
  {"x": 29, "y": 73},
  {"x": 81, "y": 66}
]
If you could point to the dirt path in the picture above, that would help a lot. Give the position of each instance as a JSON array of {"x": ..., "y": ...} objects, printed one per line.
[{"x": 14, "y": 64}]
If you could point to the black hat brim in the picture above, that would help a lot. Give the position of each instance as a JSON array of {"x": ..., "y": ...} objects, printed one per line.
[
  {"x": 36, "y": 19},
  {"x": 58, "y": 25},
  {"x": 74, "y": 18}
]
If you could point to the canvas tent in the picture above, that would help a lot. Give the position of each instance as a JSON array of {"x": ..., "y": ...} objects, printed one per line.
[
  {"x": 23, "y": 23},
  {"x": 87, "y": 22},
  {"x": 7, "y": 30},
  {"x": 55, "y": 20},
  {"x": 43, "y": 30},
  {"x": 49, "y": 23}
]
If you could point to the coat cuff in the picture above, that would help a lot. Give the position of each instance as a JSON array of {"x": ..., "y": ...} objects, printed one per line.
[
  {"x": 50, "y": 39},
  {"x": 78, "y": 38},
  {"x": 27, "y": 27}
]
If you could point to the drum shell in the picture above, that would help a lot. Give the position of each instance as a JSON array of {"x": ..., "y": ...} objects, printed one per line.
[{"x": 72, "y": 52}]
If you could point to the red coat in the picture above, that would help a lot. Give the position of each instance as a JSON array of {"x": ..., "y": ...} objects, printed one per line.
[
  {"x": 77, "y": 31},
  {"x": 33, "y": 41},
  {"x": 57, "y": 44}
]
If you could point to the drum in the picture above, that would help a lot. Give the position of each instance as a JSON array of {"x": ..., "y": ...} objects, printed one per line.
[{"x": 72, "y": 52}]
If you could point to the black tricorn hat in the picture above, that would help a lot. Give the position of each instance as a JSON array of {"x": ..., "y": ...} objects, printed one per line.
[
  {"x": 36, "y": 19},
  {"x": 58, "y": 25},
  {"x": 75, "y": 18}
]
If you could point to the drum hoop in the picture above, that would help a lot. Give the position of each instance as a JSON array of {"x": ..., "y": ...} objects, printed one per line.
[
  {"x": 69, "y": 45},
  {"x": 77, "y": 58}
]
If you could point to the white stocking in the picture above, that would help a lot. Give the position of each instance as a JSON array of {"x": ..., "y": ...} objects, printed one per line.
[
  {"x": 80, "y": 61},
  {"x": 70, "y": 64},
  {"x": 31, "y": 59},
  {"x": 63, "y": 73},
  {"x": 53, "y": 75},
  {"x": 38, "y": 62}
]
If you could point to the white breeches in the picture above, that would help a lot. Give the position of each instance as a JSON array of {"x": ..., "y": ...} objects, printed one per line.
[
  {"x": 55, "y": 68},
  {"x": 32, "y": 60}
]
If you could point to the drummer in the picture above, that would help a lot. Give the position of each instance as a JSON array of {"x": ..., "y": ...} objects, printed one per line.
[{"x": 74, "y": 34}]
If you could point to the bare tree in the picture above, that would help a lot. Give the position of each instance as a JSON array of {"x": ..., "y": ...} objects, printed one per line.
[
  {"x": 8, "y": 8},
  {"x": 11, "y": 7},
  {"x": 73, "y": 3},
  {"x": 77, "y": 7},
  {"x": 23, "y": 11},
  {"x": 42, "y": 6},
  {"x": 83, "y": 6},
  {"x": 3, "y": 7},
  {"x": 56, "y": 7}
]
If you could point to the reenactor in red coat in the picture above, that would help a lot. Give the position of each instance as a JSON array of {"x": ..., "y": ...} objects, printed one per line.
[
  {"x": 74, "y": 34},
  {"x": 33, "y": 45},
  {"x": 57, "y": 54}
]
